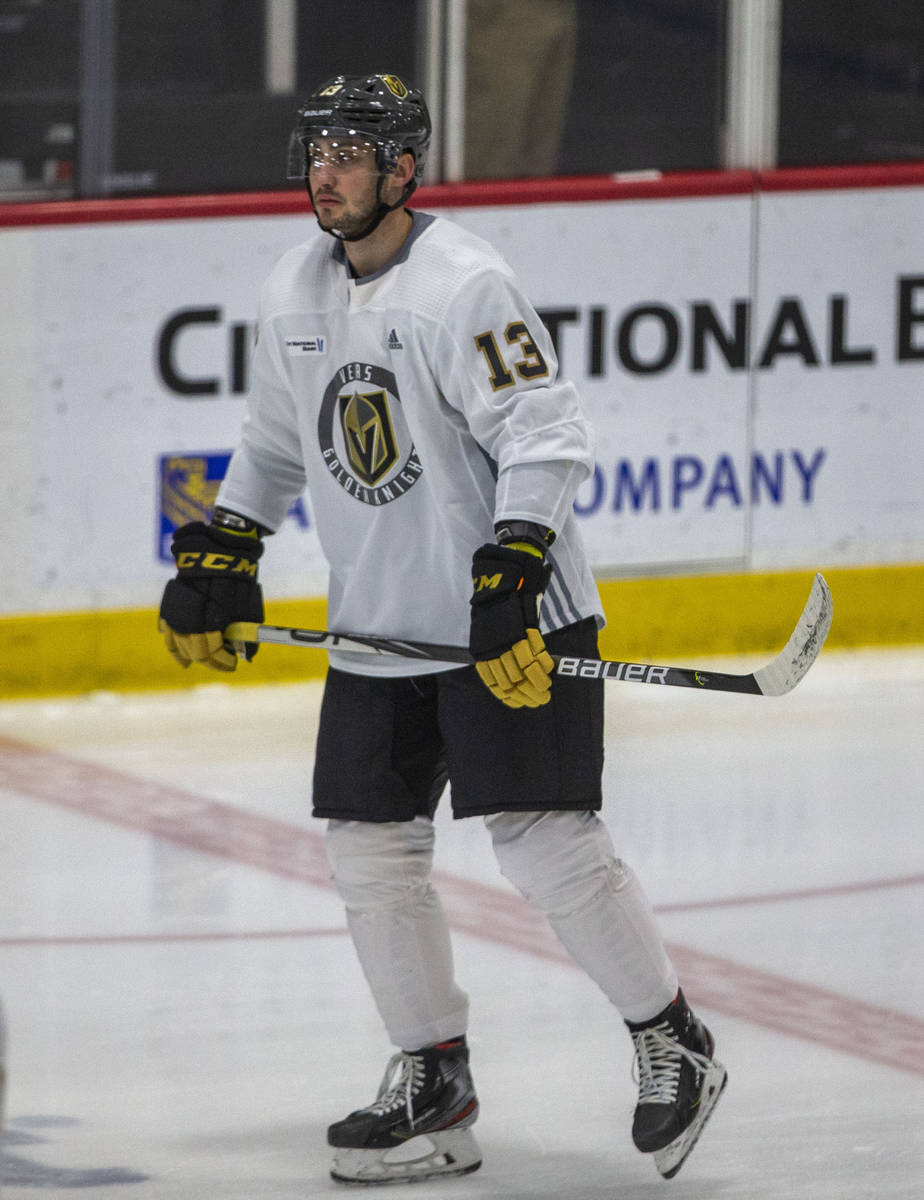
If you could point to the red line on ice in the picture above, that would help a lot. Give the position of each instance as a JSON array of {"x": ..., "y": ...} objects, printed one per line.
[{"x": 816, "y": 1014}]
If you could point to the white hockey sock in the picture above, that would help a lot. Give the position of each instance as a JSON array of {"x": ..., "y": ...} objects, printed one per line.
[
  {"x": 398, "y": 928},
  {"x": 565, "y": 864}
]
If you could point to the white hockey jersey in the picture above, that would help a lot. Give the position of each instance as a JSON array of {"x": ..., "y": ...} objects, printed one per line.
[{"x": 419, "y": 405}]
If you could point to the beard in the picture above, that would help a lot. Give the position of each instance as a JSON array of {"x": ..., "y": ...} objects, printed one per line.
[{"x": 349, "y": 223}]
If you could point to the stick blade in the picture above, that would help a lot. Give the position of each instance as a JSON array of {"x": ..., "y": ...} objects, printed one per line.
[{"x": 792, "y": 663}]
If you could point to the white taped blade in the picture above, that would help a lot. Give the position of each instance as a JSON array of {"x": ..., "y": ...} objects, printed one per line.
[{"x": 781, "y": 676}]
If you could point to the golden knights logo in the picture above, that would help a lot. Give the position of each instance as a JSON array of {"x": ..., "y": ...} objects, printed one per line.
[
  {"x": 363, "y": 436},
  {"x": 370, "y": 438},
  {"x": 394, "y": 85}
]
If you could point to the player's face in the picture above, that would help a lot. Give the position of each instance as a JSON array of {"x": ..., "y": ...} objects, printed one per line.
[{"x": 343, "y": 175}]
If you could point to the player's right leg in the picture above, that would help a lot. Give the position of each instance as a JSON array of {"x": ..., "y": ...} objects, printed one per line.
[
  {"x": 419, "y": 1124},
  {"x": 377, "y": 777}
]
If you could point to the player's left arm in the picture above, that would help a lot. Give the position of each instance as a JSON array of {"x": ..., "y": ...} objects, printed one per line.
[
  {"x": 505, "y": 380},
  {"x": 508, "y": 579},
  {"x": 533, "y": 428}
]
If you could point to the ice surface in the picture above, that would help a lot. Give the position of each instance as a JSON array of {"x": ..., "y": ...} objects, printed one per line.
[{"x": 186, "y": 1015}]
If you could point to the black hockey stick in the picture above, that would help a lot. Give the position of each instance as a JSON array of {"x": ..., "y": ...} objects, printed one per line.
[{"x": 775, "y": 679}]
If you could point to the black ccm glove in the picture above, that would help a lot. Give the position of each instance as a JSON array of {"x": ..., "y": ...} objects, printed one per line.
[
  {"x": 510, "y": 655},
  {"x": 215, "y": 584}
]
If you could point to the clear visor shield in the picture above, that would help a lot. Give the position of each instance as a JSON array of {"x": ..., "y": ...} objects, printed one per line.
[{"x": 339, "y": 150}]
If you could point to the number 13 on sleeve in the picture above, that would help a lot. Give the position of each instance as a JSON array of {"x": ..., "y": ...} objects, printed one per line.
[{"x": 531, "y": 366}]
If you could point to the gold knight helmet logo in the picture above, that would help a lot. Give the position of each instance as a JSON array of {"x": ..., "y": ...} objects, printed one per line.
[
  {"x": 394, "y": 85},
  {"x": 368, "y": 434}
]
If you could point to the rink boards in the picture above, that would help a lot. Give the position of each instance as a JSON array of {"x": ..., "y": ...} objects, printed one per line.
[{"x": 750, "y": 348}]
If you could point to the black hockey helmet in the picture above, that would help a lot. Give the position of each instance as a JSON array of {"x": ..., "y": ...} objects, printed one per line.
[{"x": 382, "y": 109}]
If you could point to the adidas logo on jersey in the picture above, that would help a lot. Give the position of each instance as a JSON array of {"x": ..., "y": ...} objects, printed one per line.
[{"x": 394, "y": 342}]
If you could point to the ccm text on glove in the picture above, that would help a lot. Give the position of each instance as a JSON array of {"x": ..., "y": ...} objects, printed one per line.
[{"x": 215, "y": 584}]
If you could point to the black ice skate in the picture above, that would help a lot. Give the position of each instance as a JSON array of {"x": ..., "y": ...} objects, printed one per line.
[
  {"x": 419, "y": 1125},
  {"x": 679, "y": 1084}
]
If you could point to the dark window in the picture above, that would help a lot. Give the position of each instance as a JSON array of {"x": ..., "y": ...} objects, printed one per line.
[
  {"x": 336, "y": 38},
  {"x": 851, "y": 81},
  {"x": 589, "y": 86},
  {"x": 192, "y": 111},
  {"x": 648, "y": 86},
  {"x": 553, "y": 87},
  {"x": 38, "y": 95}
]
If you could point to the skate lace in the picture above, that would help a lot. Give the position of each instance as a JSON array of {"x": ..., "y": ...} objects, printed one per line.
[
  {"x": 403, "y": 1079},
  {"x": 657, "y": 1062}
]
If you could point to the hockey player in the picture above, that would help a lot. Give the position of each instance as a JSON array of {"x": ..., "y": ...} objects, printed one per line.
[{"x": 403, "y": 377}]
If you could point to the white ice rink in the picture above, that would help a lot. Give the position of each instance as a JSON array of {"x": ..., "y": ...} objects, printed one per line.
[{"x": 186, "y": 1016}]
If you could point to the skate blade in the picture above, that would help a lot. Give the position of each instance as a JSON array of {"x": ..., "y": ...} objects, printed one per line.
[
  {"x": 450, "y": 1152},
  {"x": 672, "y": 1157}
]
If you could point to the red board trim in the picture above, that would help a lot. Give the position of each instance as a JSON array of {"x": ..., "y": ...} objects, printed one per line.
[{"x": 578, "y": 189}]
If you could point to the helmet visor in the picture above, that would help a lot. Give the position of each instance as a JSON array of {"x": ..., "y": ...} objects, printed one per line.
[{"x": 339, "y": 149}]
